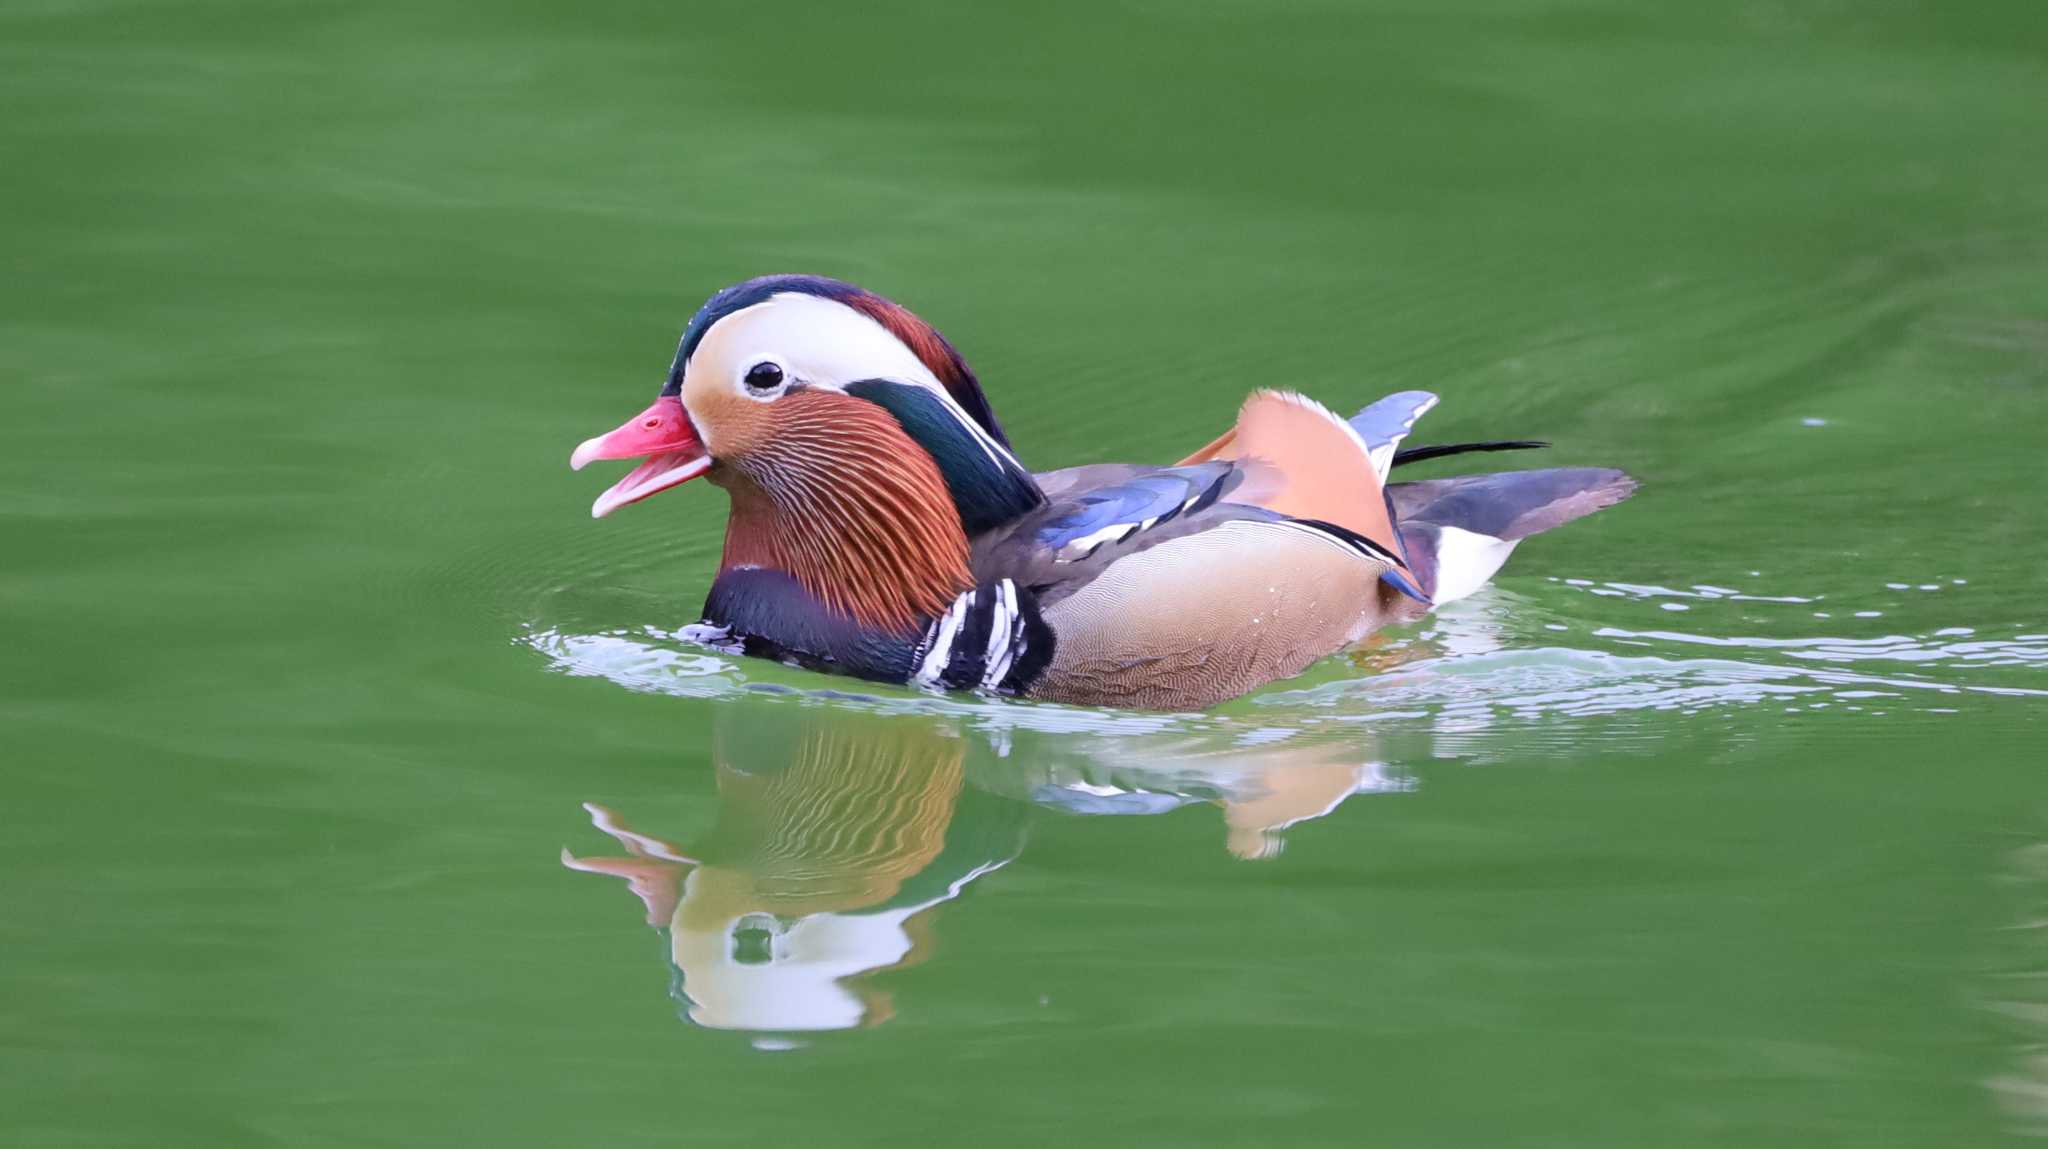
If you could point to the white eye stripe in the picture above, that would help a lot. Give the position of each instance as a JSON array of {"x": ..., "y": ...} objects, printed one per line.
[{"x": 824, "y": 343}]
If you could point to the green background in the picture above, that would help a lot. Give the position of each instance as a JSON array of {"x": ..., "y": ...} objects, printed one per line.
[{"x": 312, "y": 651}]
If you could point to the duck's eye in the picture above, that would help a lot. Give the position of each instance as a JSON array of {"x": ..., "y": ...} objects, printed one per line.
[{"x": 764, "y": 377}]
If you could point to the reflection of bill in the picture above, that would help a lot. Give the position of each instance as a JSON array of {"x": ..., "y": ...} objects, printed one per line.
[{"x": 838, "y": 835}]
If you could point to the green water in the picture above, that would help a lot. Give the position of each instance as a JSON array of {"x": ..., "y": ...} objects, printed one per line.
[{"x": 313, "y": 654}]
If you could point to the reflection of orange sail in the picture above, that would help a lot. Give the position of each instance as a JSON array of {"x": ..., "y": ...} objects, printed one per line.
[
  {"x": 832, "y": 840},
  {"x": 1262, "y": 788},
  {"x": 1283, "y": 792}
]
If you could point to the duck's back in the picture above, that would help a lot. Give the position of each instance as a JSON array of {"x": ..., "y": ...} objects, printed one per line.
[
  {"x": 1275, "y": 546},
  {"x": 1180, "y": 587}
]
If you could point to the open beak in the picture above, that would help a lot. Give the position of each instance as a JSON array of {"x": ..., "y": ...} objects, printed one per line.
[{"x": 663, "y": 434}]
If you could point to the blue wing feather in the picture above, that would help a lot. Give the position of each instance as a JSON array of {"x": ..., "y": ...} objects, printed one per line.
[
  {"x": 1384, "y": 424},
  {"x": 1150, "y": 497}
]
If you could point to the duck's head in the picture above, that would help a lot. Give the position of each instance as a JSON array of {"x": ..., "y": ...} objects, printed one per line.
[
  {"x": 859, "y": 451},
  {"x": 774, "y": 370}
]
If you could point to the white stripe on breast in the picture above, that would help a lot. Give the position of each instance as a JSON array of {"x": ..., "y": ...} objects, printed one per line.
[
  {"x": 1001, "y": 649},
  {"x": 941, "y": 652}
]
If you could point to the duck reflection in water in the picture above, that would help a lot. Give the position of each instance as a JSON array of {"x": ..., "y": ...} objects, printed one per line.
[
  {"x": 840, "y": 833},
  {"x": 837, "y": 836}
]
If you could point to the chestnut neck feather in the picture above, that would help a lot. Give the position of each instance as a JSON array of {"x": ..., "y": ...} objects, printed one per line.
[{"x": 853, "y": 509}]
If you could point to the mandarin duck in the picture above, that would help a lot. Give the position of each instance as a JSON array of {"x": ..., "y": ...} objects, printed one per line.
[{"x": 883, "y": 527}]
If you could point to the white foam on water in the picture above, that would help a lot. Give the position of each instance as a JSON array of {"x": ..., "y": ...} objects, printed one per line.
[
  {"x": 1467, "y": 668},
  {"x": 656, "y": 661}
]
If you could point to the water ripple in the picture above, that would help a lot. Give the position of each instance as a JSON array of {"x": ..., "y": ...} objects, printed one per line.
[
  {"x": 1470, "y": 667},
  {"x": 2025, "y": 650}
]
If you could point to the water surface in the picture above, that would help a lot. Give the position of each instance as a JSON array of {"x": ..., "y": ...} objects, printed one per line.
[{"x": 360, "y": 791}]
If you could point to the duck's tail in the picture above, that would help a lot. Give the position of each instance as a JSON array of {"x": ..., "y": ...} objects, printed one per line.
[
  {"x": 1446, "y": 537},
  {"x": 1457, "y": 532}
]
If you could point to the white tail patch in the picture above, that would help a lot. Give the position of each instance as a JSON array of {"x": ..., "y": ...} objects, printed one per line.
[{"x": 1465, "y": 560}]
